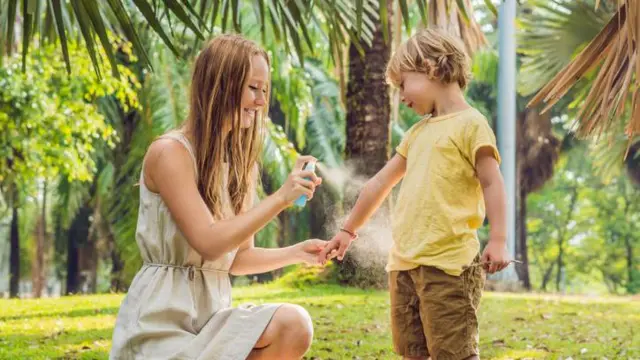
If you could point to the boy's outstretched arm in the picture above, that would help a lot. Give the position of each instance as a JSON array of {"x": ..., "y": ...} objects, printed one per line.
[
  {"x": 496, "y": 203},
  {"x": 372, "y": 195}
]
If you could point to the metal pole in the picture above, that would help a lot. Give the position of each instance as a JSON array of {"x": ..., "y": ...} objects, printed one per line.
[{"x": 506, "y": 132}]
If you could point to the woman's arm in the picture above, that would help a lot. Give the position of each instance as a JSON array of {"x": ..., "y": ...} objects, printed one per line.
[
  {"x": 252, "y": 260},
  {"x": 170, "y": 172}
]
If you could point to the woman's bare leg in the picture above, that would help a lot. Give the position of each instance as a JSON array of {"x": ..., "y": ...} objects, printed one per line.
[{"x": 287, "y": 337}]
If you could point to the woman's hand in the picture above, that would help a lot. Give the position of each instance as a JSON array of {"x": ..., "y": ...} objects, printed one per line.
[
  {"x": 296, "y": 185},
  {"x": 308, "y": 250}
]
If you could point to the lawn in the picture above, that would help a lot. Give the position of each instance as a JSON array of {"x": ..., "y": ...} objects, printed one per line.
[{"x": 349, "y": 324}]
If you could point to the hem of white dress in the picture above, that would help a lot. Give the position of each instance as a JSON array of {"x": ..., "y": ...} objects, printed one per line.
[{"x": 249, "y": 336}]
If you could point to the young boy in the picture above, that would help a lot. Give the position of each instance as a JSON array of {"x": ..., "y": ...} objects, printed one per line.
[{"x": 450, "y": 167}]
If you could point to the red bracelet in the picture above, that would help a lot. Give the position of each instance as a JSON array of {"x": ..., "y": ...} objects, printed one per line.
[{"x": 352, "y": 234}]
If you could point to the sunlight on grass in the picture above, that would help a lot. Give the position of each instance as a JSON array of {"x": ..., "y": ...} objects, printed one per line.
[{"x": 349, "y": 324}]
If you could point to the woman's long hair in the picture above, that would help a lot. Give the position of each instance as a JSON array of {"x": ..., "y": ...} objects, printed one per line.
[{"x": 219, "y": 78}]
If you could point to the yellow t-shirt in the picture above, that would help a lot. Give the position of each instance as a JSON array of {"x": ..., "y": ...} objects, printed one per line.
[{"x": 440, "y": 205}]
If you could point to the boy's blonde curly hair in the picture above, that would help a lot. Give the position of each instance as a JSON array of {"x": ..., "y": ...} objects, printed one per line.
[{"x": 434, "y": 52}]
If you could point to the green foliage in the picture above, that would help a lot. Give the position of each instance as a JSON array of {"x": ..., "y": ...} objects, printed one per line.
[
  {"x": 613, "y": 151},
  {"x": 27, "y": 216},
  {"x": 163, "y": 106},
  {"x": 592, "y": 221},
  {"x": 347, "y": 323},
  {"x": 325, "y": 127},
  {"x": 278, "y": 156},
  {"x": 292, "y": 94},
  {"x": 553, "y": 32},
  {"x": 618, "y": 203},
  {"x": 288, "y": 22},
  {"x": 48, "y": 120}
]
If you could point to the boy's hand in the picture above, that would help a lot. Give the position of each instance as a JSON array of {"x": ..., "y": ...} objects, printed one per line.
[
  {"x": 495, "y": 254},
  {"x": 336, "y": 247}
]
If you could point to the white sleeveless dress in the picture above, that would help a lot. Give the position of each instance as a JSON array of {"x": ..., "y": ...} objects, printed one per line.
[{"x": 178, "y": 305}]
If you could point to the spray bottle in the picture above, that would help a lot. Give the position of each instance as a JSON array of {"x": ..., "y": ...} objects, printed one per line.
[{"x": 302, "y": 200}]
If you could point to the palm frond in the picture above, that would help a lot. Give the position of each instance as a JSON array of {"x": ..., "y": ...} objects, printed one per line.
[
  {"x": 453, "y": 17},
  {"x": 551, "y": 35},
  {"x": 293, "y": 95},
  {"x": 163, "y": 101},
  {"x": 278, "y": 155},
  {"x": 288, "y": 21},
  {"x": 268, "y": 236},
  {"x": 325, "y": 126},
  {"x": 614, "y": 52},
  {"x": 611, "y": 153},
  {"x": 69, "y": 197},
  {"x": 485, "y": 67}
]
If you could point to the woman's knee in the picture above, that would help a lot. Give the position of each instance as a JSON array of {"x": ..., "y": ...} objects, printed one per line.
[{"x": 296, "y": 324}]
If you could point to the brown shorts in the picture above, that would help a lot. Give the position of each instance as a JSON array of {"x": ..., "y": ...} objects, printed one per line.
[{"x": 434, "y": 313}]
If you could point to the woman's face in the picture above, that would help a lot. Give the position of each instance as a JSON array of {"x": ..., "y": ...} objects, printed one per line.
[{"x": 255, "y": 91}]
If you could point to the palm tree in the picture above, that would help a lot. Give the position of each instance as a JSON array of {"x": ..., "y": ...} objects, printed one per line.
[
  {"x": 14, "y": 260},
  {"x": 550, "y": 33},
  {"x": 287, "y": 21},
  {"x": 39, "y": 268},
  {"x": 615, "y": 51},
  {"x": 603, "y": 98},
  {"x": 549, "y": 51}
]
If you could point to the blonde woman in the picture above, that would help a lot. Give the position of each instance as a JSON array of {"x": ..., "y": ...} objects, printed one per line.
[{"x": 197, "y": 220}]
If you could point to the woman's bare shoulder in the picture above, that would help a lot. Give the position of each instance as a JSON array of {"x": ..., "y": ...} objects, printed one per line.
[{"x": 166, "y": 157}]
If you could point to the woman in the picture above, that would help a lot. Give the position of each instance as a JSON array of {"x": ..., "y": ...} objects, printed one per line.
[{"x": 197, "y": 221}]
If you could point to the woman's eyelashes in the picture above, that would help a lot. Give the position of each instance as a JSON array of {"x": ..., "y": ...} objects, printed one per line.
[{"x": 255, "y": 88}]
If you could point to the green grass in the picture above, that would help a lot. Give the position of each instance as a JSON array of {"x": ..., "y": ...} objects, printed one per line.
[{"x": 349, "y": 324}]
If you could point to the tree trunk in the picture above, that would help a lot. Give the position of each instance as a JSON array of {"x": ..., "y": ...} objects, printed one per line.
[
  {"x": 368, "y": 107},
  {"x": 631, "y": 286},
  {"x": 77, "y": 235},
  {"x": 537, "y": 155},
  {"x": 559, "y": 261},
  {"x": 88, "y": 264},
  {"x": 630, "y": 265},
  {"x": 521, "y": 243},
  {"x": 632, "y": 163},
  {"x": 14, "y": 257},
  {"x": 562, "y": 234},
  {"x": 547, "y": 277},
  {"x": 39, "y": 265},
  {"x": 72, "y": 263},
  {"x": 117, "y": 265},
  {"x": 368, "y": 115}
]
